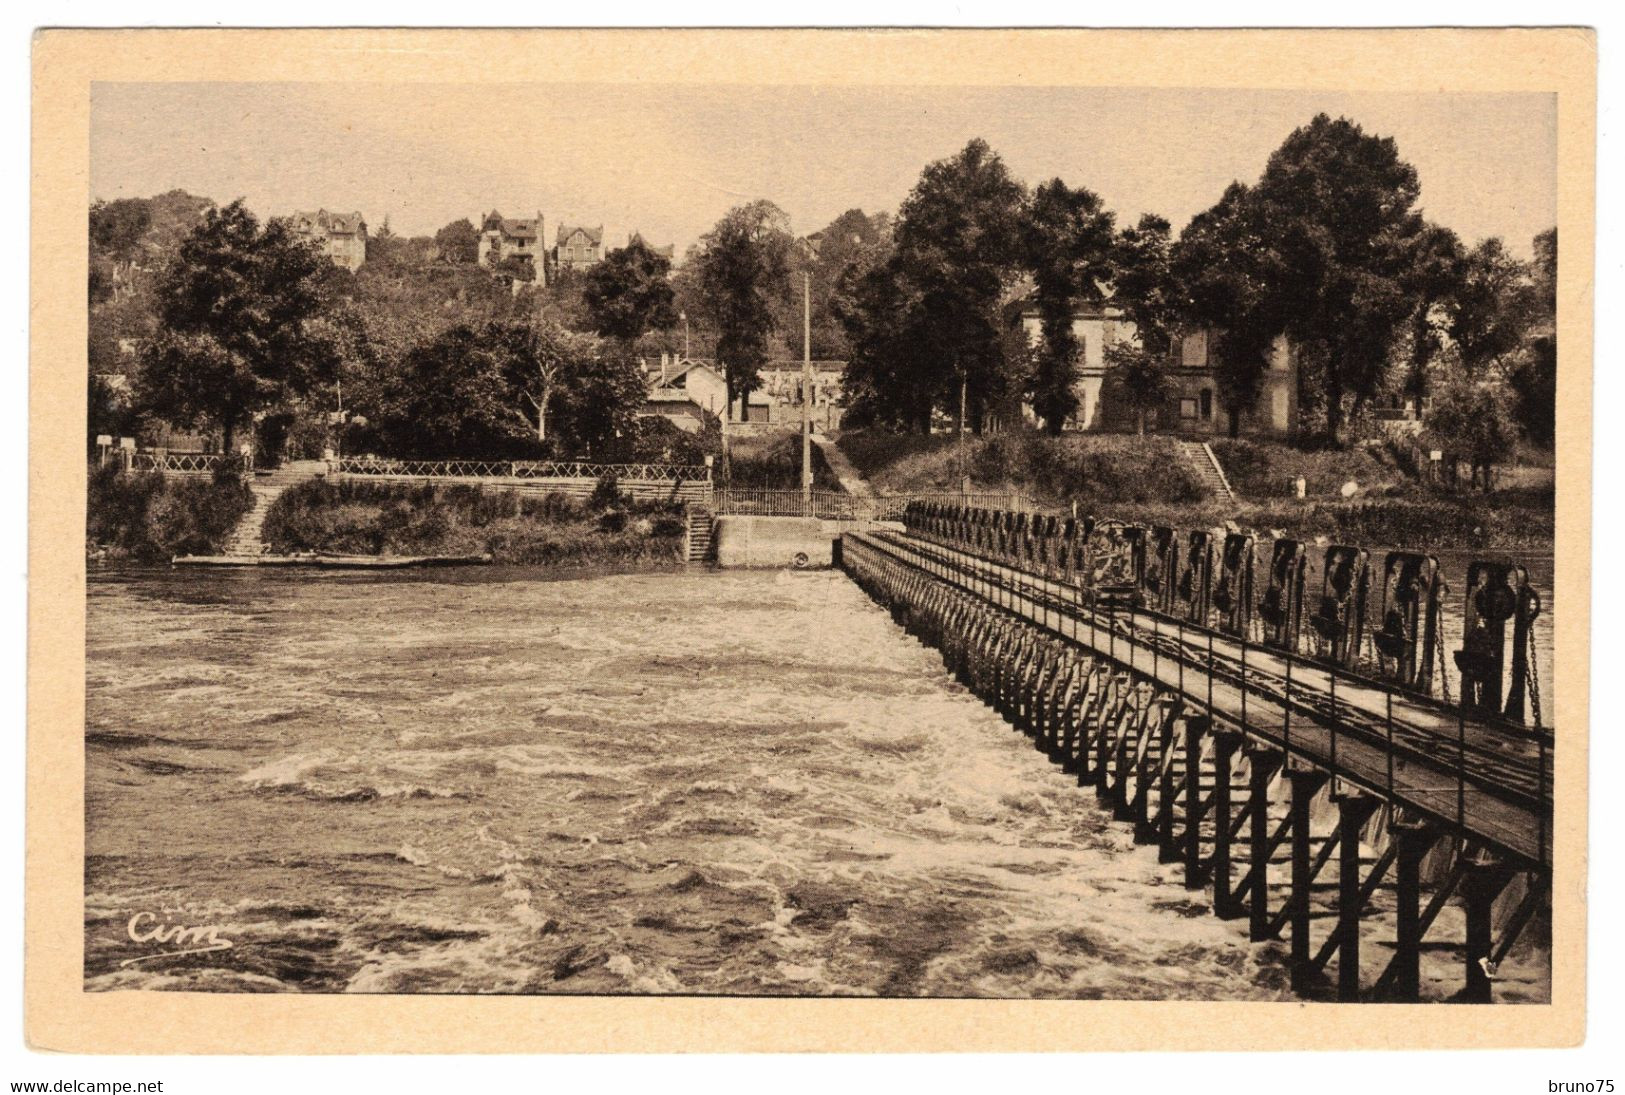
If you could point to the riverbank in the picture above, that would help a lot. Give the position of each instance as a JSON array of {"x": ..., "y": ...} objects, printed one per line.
[
  {"x": 147, "y": 518},
  {"x": 361, "y": 518},
  {"x": 1147, "y": 480}
]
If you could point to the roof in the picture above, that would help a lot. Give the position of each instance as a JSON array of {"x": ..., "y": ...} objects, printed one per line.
[
  {"x": 594, "y": 235},
  {"x": 668, "y": 252},
  {"x": 334, "y": 224},
  {"x": 521, "y": 228},
  {"x": 687, "y": 367}
]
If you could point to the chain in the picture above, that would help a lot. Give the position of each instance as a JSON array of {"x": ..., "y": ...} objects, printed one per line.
[
  {"x": 1533, "y": 655},
  {"x": 1444, "y": 665}
]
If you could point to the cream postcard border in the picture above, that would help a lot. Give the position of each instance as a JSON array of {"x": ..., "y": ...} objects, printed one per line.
[{"x": 61, "y": 1016}]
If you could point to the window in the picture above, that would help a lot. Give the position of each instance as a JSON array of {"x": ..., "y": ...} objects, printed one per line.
[
  {"x": 1207, "y": 402},
  {"x": 1187, "y": 409}
]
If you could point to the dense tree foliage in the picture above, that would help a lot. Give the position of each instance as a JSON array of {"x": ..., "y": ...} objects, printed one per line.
[
  {"x": 629, "y": 293},
  {"x": 459, "y": 241},
  {"x": 1067, "y": 242},
  {"x": 235, "y": 335},
  {"x": 741, "y": 269}
]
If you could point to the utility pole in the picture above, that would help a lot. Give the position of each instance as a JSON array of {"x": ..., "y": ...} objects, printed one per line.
[{"x": 806, "y": 393}]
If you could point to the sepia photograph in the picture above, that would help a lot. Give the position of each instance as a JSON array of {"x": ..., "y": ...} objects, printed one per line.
[{"x": 958, "y": 540}]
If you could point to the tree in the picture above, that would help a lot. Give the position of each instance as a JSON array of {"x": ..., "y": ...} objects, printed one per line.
[
  {"x": 1533, "y": 376},
  {"x": 235, "y": 311},
  {"x": 1140, "y": 377},
  {"x": 1432, "y": 274},
  {"x": 1337, "y": 206},
  {"x": 1067, "y": 242},
  {"x": 889, "y": 373},
  {"x": 629, "y": 293},
  {"x": 1492, "y": 308},
  {"x": 458, "y": 242},
  {"x": 1470, "y": 420},
  {"x": 958, "y": 244},
  {"x": 1228, "y": 275},
  {"x": 742, "y": 265},
  {"x": 538, "y": 356}
]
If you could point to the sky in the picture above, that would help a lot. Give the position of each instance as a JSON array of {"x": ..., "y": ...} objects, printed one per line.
[{"x": 670, "y": 160}]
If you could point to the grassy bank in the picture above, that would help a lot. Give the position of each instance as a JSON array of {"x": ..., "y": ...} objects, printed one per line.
[
  {"x": 151, "y": 519},
  {"x": 773, "y": 461},
  {"x": 1088, "y": 469},
  {"x": 1146, "y": 480},
  {"x": 401, "y": 519}
]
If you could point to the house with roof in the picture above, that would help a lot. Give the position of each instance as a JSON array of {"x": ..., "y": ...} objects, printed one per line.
[
  {"x": 668, "y": 252},
  {"x": 683, "y": 391},
  {"x": 342, "y": 237},
  {"x": 518, "y": 238},
  {"x": 578, "y": 248},
  {"x": 1193, "y": 403}
]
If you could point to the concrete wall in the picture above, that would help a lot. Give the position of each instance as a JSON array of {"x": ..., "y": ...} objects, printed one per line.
[{"x": 776, "y": 541}]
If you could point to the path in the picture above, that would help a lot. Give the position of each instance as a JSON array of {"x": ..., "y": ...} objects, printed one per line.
[
  {"x": 245, "y": 538},
  {"x": 851, "y": 481}
]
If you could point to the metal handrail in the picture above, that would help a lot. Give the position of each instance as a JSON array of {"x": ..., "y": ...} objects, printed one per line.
[{"x": 518, "y": 469}]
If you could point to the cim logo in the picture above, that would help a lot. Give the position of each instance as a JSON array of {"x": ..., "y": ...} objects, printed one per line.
[{"x": 178, "y": 939}]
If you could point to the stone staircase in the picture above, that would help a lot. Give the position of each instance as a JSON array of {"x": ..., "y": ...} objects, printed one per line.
[
  {"x": 1199, "y": 455},
  {"x": 245, "y": 538},
  {"x": 701, "y": 524}
]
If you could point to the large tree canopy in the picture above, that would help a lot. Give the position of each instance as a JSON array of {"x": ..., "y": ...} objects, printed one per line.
[
  {"x": 235, "y": 324},
  {"x": 1067, "y": 243},
  {"x": 1338, "y": 208},
  {"x": 959, "y": 238},
  {"x": 742, "y": 266},
  {"x": 629, "y": 292},
  {"x": 1229, "y": 276}
]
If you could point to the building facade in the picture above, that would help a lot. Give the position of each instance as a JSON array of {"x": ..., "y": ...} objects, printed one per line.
[
  {"x": 1194, "y": 402},
  {"x": 518, "y": 238},
  {"x": 342, "y": 237},
  {"x": 578, "y": 247}
]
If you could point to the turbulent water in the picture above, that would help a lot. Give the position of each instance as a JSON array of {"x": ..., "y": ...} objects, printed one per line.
[{"x": 675, "y": 783}]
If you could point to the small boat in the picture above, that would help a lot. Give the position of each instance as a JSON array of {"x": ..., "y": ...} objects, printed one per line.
[{"x": 333, "y": 561}]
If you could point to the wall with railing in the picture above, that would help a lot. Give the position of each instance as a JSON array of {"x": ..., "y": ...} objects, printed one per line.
[
  {"x": 840, "y": 506},
  {"x": 577, "y": 478}
]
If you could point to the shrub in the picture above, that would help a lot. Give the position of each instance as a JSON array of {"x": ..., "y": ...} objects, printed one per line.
[
  {"x": 152, "y": 518},
  {"x": 606, "y": 493}
]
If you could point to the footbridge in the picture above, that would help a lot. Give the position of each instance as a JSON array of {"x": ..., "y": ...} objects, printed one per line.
[{"x": 1257, "y": 729}]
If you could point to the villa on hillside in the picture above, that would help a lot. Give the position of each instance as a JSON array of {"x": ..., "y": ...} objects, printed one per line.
[
  {"x": 668, "y": 252},
  {"x": 342, "y": 237},
  {"x": 578, "y": 248},
  {"x": 1194, "y": 403},
  {"x": 503, "y": 238}
]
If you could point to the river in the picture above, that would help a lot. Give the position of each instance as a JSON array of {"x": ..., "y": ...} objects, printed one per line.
[{"x": 688, "y": 782}]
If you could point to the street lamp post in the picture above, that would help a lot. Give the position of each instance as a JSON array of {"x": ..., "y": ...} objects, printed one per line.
[
  {"x": 684, "y": 317},
  {"x": 806, "y": 393}
]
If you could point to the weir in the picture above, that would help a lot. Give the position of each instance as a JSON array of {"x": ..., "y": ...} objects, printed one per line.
[{"x": 1162, "y": 671}]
